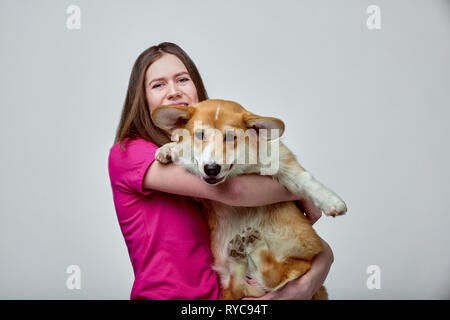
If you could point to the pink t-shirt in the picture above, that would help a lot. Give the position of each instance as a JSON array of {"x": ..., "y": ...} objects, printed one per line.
[{"x": 167, "y": 239}]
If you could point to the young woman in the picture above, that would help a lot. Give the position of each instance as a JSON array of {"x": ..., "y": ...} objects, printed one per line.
[{"x": 167, "y": 238}]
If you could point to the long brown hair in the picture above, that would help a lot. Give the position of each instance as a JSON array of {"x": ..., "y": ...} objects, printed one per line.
[{"x": 135, "y": 121}]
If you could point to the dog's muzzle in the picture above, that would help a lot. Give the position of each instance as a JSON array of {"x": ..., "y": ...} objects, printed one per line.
[{"x": 212, "y": 171}]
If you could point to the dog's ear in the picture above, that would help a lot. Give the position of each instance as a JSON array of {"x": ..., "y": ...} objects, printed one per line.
[
  {"x": 171, "y": 117},
  {"x": 274, "y": 128}
]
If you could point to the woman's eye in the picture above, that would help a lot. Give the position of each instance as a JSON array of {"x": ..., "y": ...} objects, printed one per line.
[
  {"x": 199, "y": 135},
  {"x": 183, "y": 79},
  {"x": 157, "y": 85}
]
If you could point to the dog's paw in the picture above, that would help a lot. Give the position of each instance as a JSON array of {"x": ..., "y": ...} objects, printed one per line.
[
  {"x": 252, "y": 239},
  {"x": 333, "y": 206},
  {"x": 164, "y": 153},
  {"x": 236, "y": 248}
]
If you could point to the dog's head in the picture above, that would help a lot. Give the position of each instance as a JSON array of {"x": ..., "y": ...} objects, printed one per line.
[{"x": 216, "y": 135}]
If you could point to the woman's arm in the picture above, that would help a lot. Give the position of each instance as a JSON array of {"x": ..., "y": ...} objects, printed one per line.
[
  {"x": 307, "y": 285},
  {"x": 241, "y": 191}
]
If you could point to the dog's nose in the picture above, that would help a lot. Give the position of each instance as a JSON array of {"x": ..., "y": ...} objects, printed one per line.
[{"x": 212, "y": 170}]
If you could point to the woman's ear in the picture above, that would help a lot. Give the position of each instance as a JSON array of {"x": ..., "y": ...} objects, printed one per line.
[
  {"x": 171, "y": 117},
  {"x": 274, "y": 128}
]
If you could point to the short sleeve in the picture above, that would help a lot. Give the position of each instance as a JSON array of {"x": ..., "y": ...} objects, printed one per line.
[{"x": 127, "y": 167}]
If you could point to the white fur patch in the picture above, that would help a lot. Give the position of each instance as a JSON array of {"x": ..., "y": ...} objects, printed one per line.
[
  {"x": 207, "y": 155},
  {"x": 217, "y": 112}
]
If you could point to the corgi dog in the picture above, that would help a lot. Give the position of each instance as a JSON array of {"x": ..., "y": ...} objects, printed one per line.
[{"x": 273, "y": 244}]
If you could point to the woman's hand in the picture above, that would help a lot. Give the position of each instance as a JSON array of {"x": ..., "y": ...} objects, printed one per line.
[{"x": 307, "y": 285}]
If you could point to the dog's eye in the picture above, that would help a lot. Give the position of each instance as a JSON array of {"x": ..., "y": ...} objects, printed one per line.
[
  {"x": 230, "y": 137},
  {"x": 200, "y": 135}
]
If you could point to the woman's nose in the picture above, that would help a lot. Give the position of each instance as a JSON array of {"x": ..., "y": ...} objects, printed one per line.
[{"x": 173, "y": 92}]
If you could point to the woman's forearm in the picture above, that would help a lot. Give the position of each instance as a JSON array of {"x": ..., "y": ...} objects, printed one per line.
[{"x": 255, "y": 190}]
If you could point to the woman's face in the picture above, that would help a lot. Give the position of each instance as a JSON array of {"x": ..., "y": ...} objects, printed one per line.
[{"x": 167, "y": 82}]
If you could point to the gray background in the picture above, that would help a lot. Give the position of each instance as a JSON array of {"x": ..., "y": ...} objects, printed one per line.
[{"x": 367, "y": 112}]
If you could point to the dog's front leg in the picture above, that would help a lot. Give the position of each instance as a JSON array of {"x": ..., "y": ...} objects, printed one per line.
[
  {"x": 297, "y": 180},
  {"x": 167, "y": 153},
  {"x": 328, "y": 201}
]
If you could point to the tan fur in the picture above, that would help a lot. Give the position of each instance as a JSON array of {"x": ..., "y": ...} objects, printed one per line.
[{"x": 272, "y": 244}]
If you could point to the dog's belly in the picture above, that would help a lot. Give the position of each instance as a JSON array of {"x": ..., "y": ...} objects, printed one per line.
[
  {"x": 226, "y": 222},
  {"x": 284, "y": 229},
  {"x": 271, "y": 221}
]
